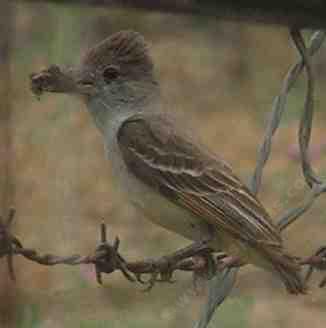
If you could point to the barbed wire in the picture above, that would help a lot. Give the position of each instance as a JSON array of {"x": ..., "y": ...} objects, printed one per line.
[
  {"x": 221, "y": 286},
  {"x": 107, "y": 259},
  {"x": 199, "y": 258}
]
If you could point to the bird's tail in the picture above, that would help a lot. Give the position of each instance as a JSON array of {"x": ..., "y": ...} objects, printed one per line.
[{"x": 288, "y": 268}]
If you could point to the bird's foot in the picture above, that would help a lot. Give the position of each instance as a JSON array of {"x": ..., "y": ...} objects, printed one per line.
[{"x": 160, "y": 271}]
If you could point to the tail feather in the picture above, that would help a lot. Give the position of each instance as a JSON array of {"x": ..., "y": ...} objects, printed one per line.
[
  {"x": 288, "y": 268},
  {"x": 291, "y": 277}
]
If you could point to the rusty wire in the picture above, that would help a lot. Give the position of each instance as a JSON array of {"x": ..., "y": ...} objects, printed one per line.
[
  {"x": 107, "y": 259},
  {"x": 106, "y": 256}
]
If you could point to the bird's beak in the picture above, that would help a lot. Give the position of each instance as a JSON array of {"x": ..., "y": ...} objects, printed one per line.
[
  {"x": 56, "y": 79},
  {"x": 52, "y": 79}
]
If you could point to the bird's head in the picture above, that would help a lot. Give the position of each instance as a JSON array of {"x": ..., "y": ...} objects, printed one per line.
[{"x": 118, "y": 71}]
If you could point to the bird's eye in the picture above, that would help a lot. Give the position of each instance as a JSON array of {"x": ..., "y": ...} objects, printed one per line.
[{"x": 110, "y": 73}]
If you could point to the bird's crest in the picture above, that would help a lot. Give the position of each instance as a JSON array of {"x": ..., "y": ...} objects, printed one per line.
[{"x": 125, "y": 49}]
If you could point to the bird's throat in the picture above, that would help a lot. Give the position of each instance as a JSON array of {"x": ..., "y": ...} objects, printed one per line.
[{"x": 106, "y": 116}]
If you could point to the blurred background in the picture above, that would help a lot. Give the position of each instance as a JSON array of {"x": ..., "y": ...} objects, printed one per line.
[{"x": 220, "y": 77}]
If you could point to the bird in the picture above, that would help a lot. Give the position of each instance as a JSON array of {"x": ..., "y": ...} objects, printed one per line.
[{"x": 168, "y": 176}]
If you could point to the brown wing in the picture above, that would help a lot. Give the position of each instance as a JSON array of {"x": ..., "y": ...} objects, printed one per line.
[{"x": 193, "y": 178}]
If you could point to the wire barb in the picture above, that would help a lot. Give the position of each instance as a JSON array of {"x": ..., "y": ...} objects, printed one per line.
[
  {"x": 8, "y": 242},
  {"x": 197, "y": 258},
  {"x": 107, "y": 259}
]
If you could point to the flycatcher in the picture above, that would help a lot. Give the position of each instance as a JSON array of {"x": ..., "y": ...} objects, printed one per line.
[{"x": 175, "y": 182}]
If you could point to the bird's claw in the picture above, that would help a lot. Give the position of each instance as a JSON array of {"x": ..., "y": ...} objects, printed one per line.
[
  {"x": 166, "y": 276},
  {"x": 162, "y": 273},
  {"x": 140, "y": 279},
  {"x": 151, "y": 282}
]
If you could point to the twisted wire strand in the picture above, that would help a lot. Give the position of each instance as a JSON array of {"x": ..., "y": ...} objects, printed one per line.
[
  {"x": 304, "y": 133},
  {"x": 221, "y": 285},
  {"x": 278, "y": 108},
  {"x": 316, "y": 184}
]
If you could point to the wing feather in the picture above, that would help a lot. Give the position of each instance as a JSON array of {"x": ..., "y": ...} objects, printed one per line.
[{"x": 193, "y": 178}]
